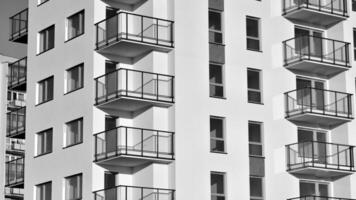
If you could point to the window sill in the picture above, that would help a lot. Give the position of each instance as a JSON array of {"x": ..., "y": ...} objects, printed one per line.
[
  {"x": 259, "y": 51},
  {"x": 40, "y": 53},
  {"x": 42, "y": 154},
  {"x": 217, "y": 97},
  {"x": 72, "y": 145},
  {"x": 218, "y": 152},
  {"x": 73, "y": 90},
  {"x": 74, "y": 37},
  {"x": 43, "y": 102},
  {"x": 258, "y": 103}
]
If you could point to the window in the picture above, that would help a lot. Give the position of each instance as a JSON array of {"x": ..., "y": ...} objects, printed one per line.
[
  {"x": 217, "y": 143},
  {"x": 253, "y": 33},
  {"x": 74, "y": 132},
  {"x": 215, "y": 27},
  {"x": 75, "y": 25},
  {"x": 46, "y": 39},
  {"x": 74, "y": 78},
  {"x": 255, "y": 138},
  {"x": 73, "y": 187},
  {"x": 45, "y": 90},
  {"x": 353, "y": 5},
  {"x": 44, "y": 191},
  {"x": 256, "y": 188},
  {"x": 216, "y": 80},
  {"x": 354, "y": 37},
  {"x": 254, "y": 86},
  {"x": 217, "y": 185},
  {"x": 44, "y": 142}
]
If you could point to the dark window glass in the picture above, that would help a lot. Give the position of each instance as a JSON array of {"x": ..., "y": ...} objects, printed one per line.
[
  {"x": 44, "y": 142},
  {"x": 215, "y": 27},
  {"x": 255, "y": 139},
  {"x": 256, "y": 187},
  {"x": 46, "y": 39},
  {"x": 217, "y": 143},
  {"x": 252, "y": 33},
  {"x": 75, "y": 26},
  {"x": 45, "y": 90},
  {"x": 75, "y": 78},
  {"x": 217, "y": 186},
  {"x": 254, "y": 86},
  {"x": 216, "y": 80},
  {"x": 44, "y": 191}
]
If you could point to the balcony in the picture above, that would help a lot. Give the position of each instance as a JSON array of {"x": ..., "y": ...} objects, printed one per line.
[
  {"x": 16, "y": 123},
  {"x": 133, "y": 36},
  {"x": 15, "y": 173},
  {"x": 14, "y": 193},
  {"x": 17, "y": 75},
  {"x": 15, "y": 104},
  {"x": 318, "y": 108},
  {"x": 130, "y": 147},
  {"x": 313, "y": 197},
  {"x": 19, "y": 27},
  {"x": 320, "y": 160},
  {"x": 15, "y": 147},
  {"x": 131, "y": 91},
  {"x": 123, "y": 192},
  {"x": 316, "y": 56},
  {"x": 315, "y": 12}
]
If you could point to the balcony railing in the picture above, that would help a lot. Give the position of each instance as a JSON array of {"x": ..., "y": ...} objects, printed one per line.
[
  {"x": 16, "y": 122},
  {"x": 123, "y": 192},
  {"x": 320, "y": 155},
  {"x": 313, "y": 197},
  {"x": 15, "y": 172},
  {"x": 17, "y": 73},
  {"x": 16, "y": 103},
  {"x": 14, "y": 193},
  {"x": 335, "y": 7},
  {"x": 134, "y": 84},
  {"x": 316, "y": 49},
  {"x": 15, "y": 145},
  {"x": 131, "y": 141},
  {"x": 19, "y": 25},
  {"x": 318, "y": 101},
  {"x": 134, "y": 27}
]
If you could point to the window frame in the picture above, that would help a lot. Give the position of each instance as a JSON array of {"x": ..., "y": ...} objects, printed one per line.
[
  {"x": 260, "y": 90},
  {"x": 41, "y": 185},
  {"x": 37, "y": 154},
  {"x": 39, "y": 52},
  {"x": 224, "y": 186},
  {"x": 67, "y": 38},
  {"x": 81, "y": 119},
  {"x": 214, "y": 84},
  {"x": 262, "y": 187},
  {"x": 223, "y": 139},
  {"x": 252, "y": 37},
  {"x": 38, "y": 100},
  {"x": 81, "y": 185},
  {"x": 221, "y": 13},
  {"x": 257, "y": 143},
  {"x": 66, "y": 91}
]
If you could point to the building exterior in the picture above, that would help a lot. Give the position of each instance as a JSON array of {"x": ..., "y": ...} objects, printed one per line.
[{"x": 164, "y": 100}]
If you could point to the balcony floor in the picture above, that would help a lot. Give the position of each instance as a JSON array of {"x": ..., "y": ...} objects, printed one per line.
[{"x": 319, "y": 173}]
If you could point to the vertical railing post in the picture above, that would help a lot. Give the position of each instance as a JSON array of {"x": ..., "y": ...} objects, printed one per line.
[
  {"x": 336, "y": 111},
  {"x": 347, "y": 55},
  {"x": 97, "y": 36},
  {"x": 319, "y": 5},
  {"x": 156, "y": 31},
  {"x": 172, "y": 145},
  {"x": 157, "y": 194},
  {"x": 321, "y": 48},
  {"x": 116, "y": 142},
  {"x": 127, "y": 81},
  {"x": 303, "y": 153},
  {"x": 95, "y": 146},
  {"x": 312, "y": 153},
  {"x": 349, "y": 109},
  {"x": 142, "y": 85},
  {"x": 311, "y": 99},
  {"x": 309, "y": 50},
  {"x": 142, "y": 142},
  {"x": 332, "y": 7},
  {"x": 125, "y": 192},
  {"x": 172, "y": 89},
  {"x": 157, "y": 147},
  {"x": 172, "y": 33},
  {"x": 142, "y": 193},
  {"x": 334, "y": 59},
  {"x": 141, "y": 28},
  {"x": 157, "y": 87},
  {"x": 126, "y": 140},
  {"x": 288, "y": 157},
  {"x": 284, "y": 52},
  {"x": 96, "y": 91},
  {"x": 338, "y": 156},
  {"x": 127, "y": 25}
]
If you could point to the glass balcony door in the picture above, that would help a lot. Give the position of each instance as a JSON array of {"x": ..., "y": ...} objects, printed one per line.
[
  {"x": 313, "y": 98},
  {"x": 111, "y": 135},
  {"x": 310, "y": 189},
  {"x": 111, "y": 80},
  {"x": 112, "y": 24},
  {"x": 312, "y": 145},
  {"x": 308, "y": 42},
  {"x": 110, "y": 183}
]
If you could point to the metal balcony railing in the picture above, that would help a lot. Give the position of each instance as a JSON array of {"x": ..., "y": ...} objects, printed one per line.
[
  {"x": 17, "y": 72},
  {"x": 313, "y": 197},
  {"x": 14, "y": 172},
  {"x": 316, "y": 49},
  {"x": 16, "y": 193},
  {"x": 123, "y": 192},
  {"x": 134, "y": 84},
  {"x": 15, "y": 145},
  {"x": 335, "y": 7},
  {"x": 318, "y": 101},
  {"x": 132, "y": 141},
  {"x": 134, "y": 27},
  {"x": 320, "y": 155},
  {"x": 16, "y": 122},
  {"x": 19, "y": 25}
]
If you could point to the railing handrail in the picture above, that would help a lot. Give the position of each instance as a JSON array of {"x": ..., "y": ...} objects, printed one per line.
[
  {"x": 19, "y": 13},
  {"x": 136, "y": 128},
  {"x": 313, "y": 36},
  {"x": 128, "y": 13},
  {"x": 137, "y": 187},
  {"x": 16, "y": 110},
  {"x": 18, "y": 61},
  {"x": 342, "y": 10},
  {"x": 319, "y": 142},
  {"x": 15, "y": 160},
  {"x": 312, "y": 88},
  {"x": 315, "y": 196},
  {"x": 133, "y": 70}
]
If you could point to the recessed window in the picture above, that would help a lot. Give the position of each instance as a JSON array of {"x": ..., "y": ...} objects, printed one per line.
[
  {"x": 253, "y": 33},
  {"x": 74, "y": 78},
  {"x": 217, "y": 143},
  {"x": 44, "y": 191},
  {"x": 44, "y": 142},
  {"x": 256, "y": 188},
  {"x": 255, "y": 139},
  {"x": 216, "y": 80},
  {"x": 254, "y": 86},
  {"x": 73, "y": 187},
  {"x": 215, "y": 27},
  {"x": 45, "y": 90},
  {"x": 75, "y": 25},
  {"x": 217, "y": 185},
  {"x": 74, "y": 132},
  {"x": 46, "y": 39}
]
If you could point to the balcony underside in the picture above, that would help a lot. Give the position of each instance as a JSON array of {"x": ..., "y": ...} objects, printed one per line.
[
  {"x": 14, "y": 196},
  {"x": 310, "y": 16},
  {"x": 125, "y": 160},
  {"x": 317, "y": 120},
  {"x": 125, "y": 4},
  {"x": 314, "y": 68},
  {"x": 131, "y": 50},
  {"x": 319, "y": 172},
  {"x": 15, "y": 152},
  {"x": 17, "y": 184},
  {"x": 128, "y": 106},
  {"x": 18, "y": 134},
  {"x": 18, "y": 86},
  {"x": 20, "y": 37}
]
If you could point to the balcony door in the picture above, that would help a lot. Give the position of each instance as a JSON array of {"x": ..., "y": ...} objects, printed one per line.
[
  {"x": 112, "y": 23},
  {"x": 308, "y": 42},
  {"x": 111, "y": 79},
  {"x": 111, "y": 136},
  {"x": 311, "y": 98},
  {"x": 110, "y": 185},
  {"x": 312, "y": 145},
  {"x": 309, "y": 189}
]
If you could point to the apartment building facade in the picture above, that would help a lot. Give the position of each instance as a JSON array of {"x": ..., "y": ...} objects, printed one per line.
[{"x": 163, "y": 99}]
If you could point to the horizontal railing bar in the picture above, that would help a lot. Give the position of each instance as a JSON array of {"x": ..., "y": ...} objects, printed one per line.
[
  {"x": 136, "y": 128},
  {"x": 17, "y": 159},
  {"x": 329, "y": 143},
  {"x": 136, "y": 187},
  {"x": 312, "y": 36},
  {"x": 325, "y": 90},
  {"x": 133, "y": 70}
]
